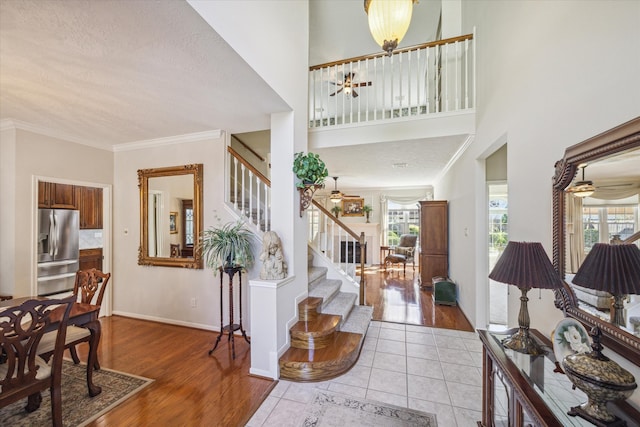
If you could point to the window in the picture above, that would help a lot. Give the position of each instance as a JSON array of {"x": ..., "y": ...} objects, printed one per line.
[
  {"x": 602, "y": 223},
  {"x": 187, "y": 214},
  {"x": 402, "y": 219}
]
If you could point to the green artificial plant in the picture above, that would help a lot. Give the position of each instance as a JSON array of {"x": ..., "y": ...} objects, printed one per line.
[
  {"x": 227, "y": 246},
  {"x": 367, "y": 211},
  {"x": 309, "y": 169},
  {"x": 336, "y": 210}
]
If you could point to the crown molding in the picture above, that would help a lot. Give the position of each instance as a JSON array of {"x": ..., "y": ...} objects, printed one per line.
[
  {"x": 42, "y": 130},
  {"x": 12, "y": 124},
  {"x": 455, "y": 157},
  {"x": 170, "y": 140}
]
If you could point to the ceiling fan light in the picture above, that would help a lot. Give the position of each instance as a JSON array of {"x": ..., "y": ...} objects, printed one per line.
[
  {"x": 336, "y": 195},
  {"x": 388, "y": 21},
  {"x": 582, "y": 189}
]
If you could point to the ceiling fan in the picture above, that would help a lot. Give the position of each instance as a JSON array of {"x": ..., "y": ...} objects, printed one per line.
[{"x": 349, "y": 84}]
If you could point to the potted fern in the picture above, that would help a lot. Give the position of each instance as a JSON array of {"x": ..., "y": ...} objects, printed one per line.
[
  {"x": 227, "y": 247},
  {"x": 336, "y": 210},
  {"x": 309, "y": 169}
]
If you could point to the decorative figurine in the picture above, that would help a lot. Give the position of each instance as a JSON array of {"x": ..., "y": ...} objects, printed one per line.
[{"x": 273, "y": 265}]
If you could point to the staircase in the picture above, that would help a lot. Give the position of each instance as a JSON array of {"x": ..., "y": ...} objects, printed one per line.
[{"x": 326, "y": 340}]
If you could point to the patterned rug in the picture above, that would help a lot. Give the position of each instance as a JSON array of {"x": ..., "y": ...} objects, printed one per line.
[
  {"x": 78, "y": 409},
  {"x": 329, "y": 409}
]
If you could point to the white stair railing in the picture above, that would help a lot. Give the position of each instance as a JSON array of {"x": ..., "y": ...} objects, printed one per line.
[
  {"x": 339, "y": 244},
  {"x": 249, "y": 191},
  {"x": 429, "y": 78}
]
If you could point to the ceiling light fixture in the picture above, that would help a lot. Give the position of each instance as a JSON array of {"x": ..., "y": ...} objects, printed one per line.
[
  {"x": 336, "y": 195},
  {"x": 389, "y": 21},
  {"x": 583, "y": 188}
]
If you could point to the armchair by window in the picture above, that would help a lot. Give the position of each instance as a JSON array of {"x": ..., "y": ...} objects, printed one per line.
[{"x": 404, "y": 252}]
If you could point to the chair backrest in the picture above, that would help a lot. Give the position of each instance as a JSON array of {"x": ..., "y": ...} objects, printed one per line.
[
  {"x": 408, "y": 240},
  {"x": 89, "y": 288},
  {"x": 21, "y": 329},
  {"x": 406, "y": 246}
]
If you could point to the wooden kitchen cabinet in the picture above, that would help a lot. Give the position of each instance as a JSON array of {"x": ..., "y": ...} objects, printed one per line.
[
  {"x": 91, "y": 258},
  {"x": 90, "y": 205},
  {"x": 57, "y": 196},
  {"x": 434, "y": 240}
]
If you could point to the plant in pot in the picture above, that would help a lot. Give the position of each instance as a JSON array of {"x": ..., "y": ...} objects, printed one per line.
[
  {"x": 367, "y": 210},
  {"x": 309, "y": 169},
  {"x": 336, "y": 210},
  {"x": 227, "y": 246}
]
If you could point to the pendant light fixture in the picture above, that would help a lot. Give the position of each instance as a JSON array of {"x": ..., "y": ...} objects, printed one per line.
[
  {"x": 388, "y": 21},
  {"x": 336, "y": 195},
  {"x": 583, "y": 188}
]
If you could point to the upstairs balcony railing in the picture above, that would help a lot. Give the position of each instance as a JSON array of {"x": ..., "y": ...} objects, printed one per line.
[{"x": 430, "y": 78}]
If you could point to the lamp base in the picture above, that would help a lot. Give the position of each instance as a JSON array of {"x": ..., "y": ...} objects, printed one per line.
[
  {"x": 586, "y": 409},
  {"x": 522, "y": 342}
]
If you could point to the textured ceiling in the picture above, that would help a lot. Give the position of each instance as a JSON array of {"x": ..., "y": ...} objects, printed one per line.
[{"x": 110, "y": 72}]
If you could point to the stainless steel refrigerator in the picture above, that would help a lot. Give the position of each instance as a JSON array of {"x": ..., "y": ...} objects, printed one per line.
[{"x": 58, "y": 250}]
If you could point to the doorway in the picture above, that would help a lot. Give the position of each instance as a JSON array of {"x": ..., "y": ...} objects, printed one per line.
[{"x": 498, "y": 227}]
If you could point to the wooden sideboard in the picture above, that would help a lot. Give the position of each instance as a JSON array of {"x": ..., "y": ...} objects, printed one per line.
[{"x": 522, "y": 390}]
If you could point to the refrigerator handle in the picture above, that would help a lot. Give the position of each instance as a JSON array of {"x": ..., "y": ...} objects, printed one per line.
[
  {"x": 55, "y": 228},
  {"x": 52, "y": 239}
]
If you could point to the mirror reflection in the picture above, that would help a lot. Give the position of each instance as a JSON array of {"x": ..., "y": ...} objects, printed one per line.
[
  {"x": 171, "y": 217},
  {"x": 601, "y": 206}
]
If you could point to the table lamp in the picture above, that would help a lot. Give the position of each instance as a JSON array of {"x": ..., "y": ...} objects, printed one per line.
[
  {"x": 614, "y": 269},
  {"x": 525, "y": 265}
]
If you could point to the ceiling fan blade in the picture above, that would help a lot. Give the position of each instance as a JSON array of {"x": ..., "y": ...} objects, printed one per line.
[
  {"x": 362, "y": 84},
  {"x": 338, "y": 91},
  {"x": 354, "y": 93}
]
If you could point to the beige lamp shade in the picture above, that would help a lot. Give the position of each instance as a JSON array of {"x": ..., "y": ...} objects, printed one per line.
[{"x": 388, "y": 21}]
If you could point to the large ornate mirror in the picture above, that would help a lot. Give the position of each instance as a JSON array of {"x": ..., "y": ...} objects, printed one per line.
[
  {"x": 606, "y": 213},
  {"x": 170, "y": 216}
]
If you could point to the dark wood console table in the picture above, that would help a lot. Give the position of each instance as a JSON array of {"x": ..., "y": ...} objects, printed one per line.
[
  {"x": 522, "y": 390},
  {"x": 231, "y": 327}
]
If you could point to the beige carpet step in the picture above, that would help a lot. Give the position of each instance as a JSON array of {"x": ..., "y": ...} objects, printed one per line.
[{"x": 314, "y": 334}]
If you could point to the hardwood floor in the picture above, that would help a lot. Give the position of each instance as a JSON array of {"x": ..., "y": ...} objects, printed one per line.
[
  {"x": 397, "y": 297},
  {"x": 192, "y": 388}
]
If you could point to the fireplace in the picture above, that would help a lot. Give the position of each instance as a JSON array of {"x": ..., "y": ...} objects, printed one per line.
[{"x": 346, "y": 252}]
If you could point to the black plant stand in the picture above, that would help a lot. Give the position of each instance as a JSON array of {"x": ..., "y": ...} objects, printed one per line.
[{"x": 231, "y": 327}]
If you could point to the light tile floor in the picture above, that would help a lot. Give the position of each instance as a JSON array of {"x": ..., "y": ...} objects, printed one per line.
[{"x": 418, "y": 367}]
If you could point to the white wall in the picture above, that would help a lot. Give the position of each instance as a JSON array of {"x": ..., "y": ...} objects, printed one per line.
[
  {"x": 165, "y": 293},
  {"x": 549, "y": 75},
  {"x": 28, "y": 155}
]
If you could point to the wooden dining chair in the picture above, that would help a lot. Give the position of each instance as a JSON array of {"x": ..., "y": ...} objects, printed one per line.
[
  {"x": 89, "y": 288},
  {"x": 23, "y": 374}
]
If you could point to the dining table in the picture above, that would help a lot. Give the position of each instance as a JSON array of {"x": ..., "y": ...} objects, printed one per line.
[{"x": 82, "y": 315}]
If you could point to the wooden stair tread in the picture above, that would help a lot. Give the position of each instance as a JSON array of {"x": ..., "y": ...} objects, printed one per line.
[
  {"x": 343, "y": 343},
  {"x": 322, "y": 325},
  {"x": 314, "y": 333},
  {"x": 321, "y": 364}
]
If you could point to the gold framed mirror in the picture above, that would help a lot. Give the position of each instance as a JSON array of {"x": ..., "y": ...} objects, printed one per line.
[
  {"x": 618, "y": 152},
  {"x": 170, "y": 216}
]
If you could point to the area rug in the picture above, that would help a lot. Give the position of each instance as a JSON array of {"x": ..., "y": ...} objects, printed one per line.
[
  {"x": 78, "y": 409},
  {"x": 328, "y": 409}
]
